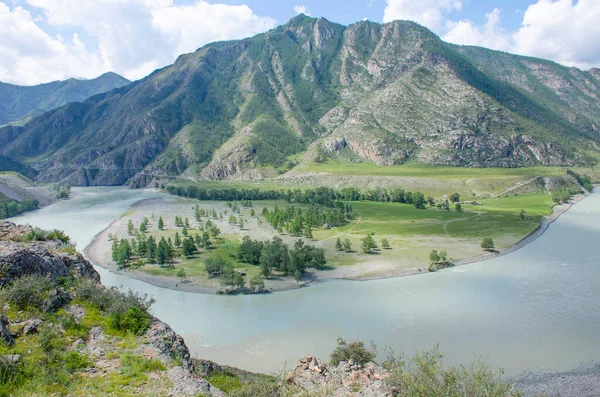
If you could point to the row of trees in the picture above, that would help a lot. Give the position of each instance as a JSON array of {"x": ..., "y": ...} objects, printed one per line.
[
  {"x": 319, "y": 196},
  {"x": 10, "y": 207}
]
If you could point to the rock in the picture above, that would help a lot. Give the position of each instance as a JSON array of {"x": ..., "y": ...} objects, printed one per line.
[
  {"x": 42, "y": 258},
  {"x": 206, "y": 367},
  {"x": 186, "y": 384},
  {"x": 56, "y": 300},
  {"x": 11, "y": 358},
  {"x": 5, "y": 334},
  {"x": 96, "y": 337},
  {"x": 347, "y": 379},
  {"x": 31, "y": 326},
  {"x": 76, "y": 311}
]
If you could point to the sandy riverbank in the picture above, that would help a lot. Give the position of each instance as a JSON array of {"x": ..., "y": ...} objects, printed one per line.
[{"x": 99, "y": 251}]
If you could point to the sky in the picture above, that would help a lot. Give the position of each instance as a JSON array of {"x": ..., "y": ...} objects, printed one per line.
[{"x": 46, "y": 40}]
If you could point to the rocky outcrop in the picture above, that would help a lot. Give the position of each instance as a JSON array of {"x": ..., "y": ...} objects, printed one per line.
[
  {"x": 43, "y": 258},
  {"x": 347, "y": 379}
]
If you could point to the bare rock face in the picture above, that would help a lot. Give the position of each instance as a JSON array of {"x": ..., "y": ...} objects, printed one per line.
[
  {"x": 345, "y": 380},
  {"x": 44, "y": 258},
  {"x": 163, "y": 343}
]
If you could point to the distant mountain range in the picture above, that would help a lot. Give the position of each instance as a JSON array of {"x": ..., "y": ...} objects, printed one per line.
[
  {"x": 312, "y": 90},
  {"x": 18, "y": 104}
]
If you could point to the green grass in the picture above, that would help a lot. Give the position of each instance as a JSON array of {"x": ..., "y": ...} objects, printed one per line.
[{"x": 419, "y": 170}]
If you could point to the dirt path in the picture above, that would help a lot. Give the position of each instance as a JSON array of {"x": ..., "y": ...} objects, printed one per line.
[{"x": 458, "y": 220}]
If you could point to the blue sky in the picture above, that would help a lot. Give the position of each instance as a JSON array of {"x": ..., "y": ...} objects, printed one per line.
[{"x": 44, "y": 40}]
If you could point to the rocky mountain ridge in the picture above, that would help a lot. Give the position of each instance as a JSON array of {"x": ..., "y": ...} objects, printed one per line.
[
  {"x": 18, "y": 104},
  {"x": 312, "y": 90}
]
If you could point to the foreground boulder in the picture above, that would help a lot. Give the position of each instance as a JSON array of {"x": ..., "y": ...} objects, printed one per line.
[
  {"x": 347, "y": 379},
  {"x": 49, "y": 258}
]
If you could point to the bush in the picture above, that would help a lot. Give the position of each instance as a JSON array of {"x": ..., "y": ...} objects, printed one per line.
[
  {"x": 425, "y": 375},
  {"x": 355, "y": 351},
  {"x": 133, "y": 320},
  {"x": 28, "y": 292},
  {"x": 126, "y": 311}
]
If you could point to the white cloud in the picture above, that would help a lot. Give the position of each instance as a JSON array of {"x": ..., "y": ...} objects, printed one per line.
[
  {"x": 565, "y": 31},
  {"x": 28, "y": 55},
  {"x": 490, "y": 35},
  {"x": 298, "y": 9},
  {"x": 430, "y": 13},
  {"x": 133, "y": 37}
]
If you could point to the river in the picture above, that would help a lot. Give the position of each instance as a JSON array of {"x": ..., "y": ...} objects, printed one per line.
[{"x": 535, "y": 309}]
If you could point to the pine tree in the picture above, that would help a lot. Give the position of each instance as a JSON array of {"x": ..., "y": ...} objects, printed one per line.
[
  {"x": 130, "y": 228},
  {"x": 308, "y": 232},
  {"x": 347, "y": 246},
  {"x": 241, "y": 222},
  {"x": 177, "y": 240},
  {"x": 385, "y": 244},
  {"x": 161, "y": 223},
  {"x": 338, "y": 244}
]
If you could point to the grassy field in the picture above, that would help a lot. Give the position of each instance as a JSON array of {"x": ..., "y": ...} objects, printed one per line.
[
  {"x": 419, "y": 170},
  {"x": 412, "y": 234}
]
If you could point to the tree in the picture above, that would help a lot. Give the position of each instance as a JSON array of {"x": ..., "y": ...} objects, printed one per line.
[
  {"x": 115, "y": 250},
  {"x": 522, "y": 215},
  {"x": 458, "y": 207},
  {"x": 419, "y": 200},
  {"x": 338, "y": 244},
  {"x": 143, "y": 227},
  {"x": 161, "y": 223},
  {"x": 181, "y": 274},
  {"x": 214, "y": 266},
  {"x": 308, "y": 232},
  {"x": 347, "y": 245},
  {"x": 184, "y": 231},
  {"x": 241, "y": 222},
  {"x": 206, "y": 243},
  {"x": 177, "y": 240},
  {"x": 130, "y": 228},
  {"x": 151, "y": 249},
  {"x": 434, "y": 257},
  {"x": 187, "y": 223},
  {"x": 455, "y": 197},
  {"x": 249, "y": 251},
  {"x": 252, "y": 213},
  {"x": 257, "y": 283},
  {"x": 214, "y": 231},
  {"x": 232, "y": 219},
  {"x": 188, "y": 247},
  {"x": 385, "y": 244},
  {"x": 443, "y": 257},
  {"x": 487, "y": 244},
  {"x": 368, "y": 244}
]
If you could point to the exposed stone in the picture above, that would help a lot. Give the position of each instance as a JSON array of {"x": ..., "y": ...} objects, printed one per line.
[
  {"x": 346, "y": 379},
  {"x": 5, "y": 334},
  {"x": 206, "y": 367},
  {"x": 31, "y": 326},
  {"x": 42, "y": 258},
  {"x": 56, "y": 299}
]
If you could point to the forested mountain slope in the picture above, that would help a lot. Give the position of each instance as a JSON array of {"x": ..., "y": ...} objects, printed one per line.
[{"x": 367, "y": 92}]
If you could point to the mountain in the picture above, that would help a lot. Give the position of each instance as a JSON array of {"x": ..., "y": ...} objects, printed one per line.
[
  {"x": 312, "y": 90},
  {"x": 19, "y": 104}
]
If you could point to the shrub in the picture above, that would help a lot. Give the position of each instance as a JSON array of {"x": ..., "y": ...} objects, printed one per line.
[
  {"x": 426, "y": 375},
  {"x": 126, "y": 311},
  {"x": 133, "y": 320},
  {"x": 28, "y": 292},
  {"x": 355, "y": 351}
]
